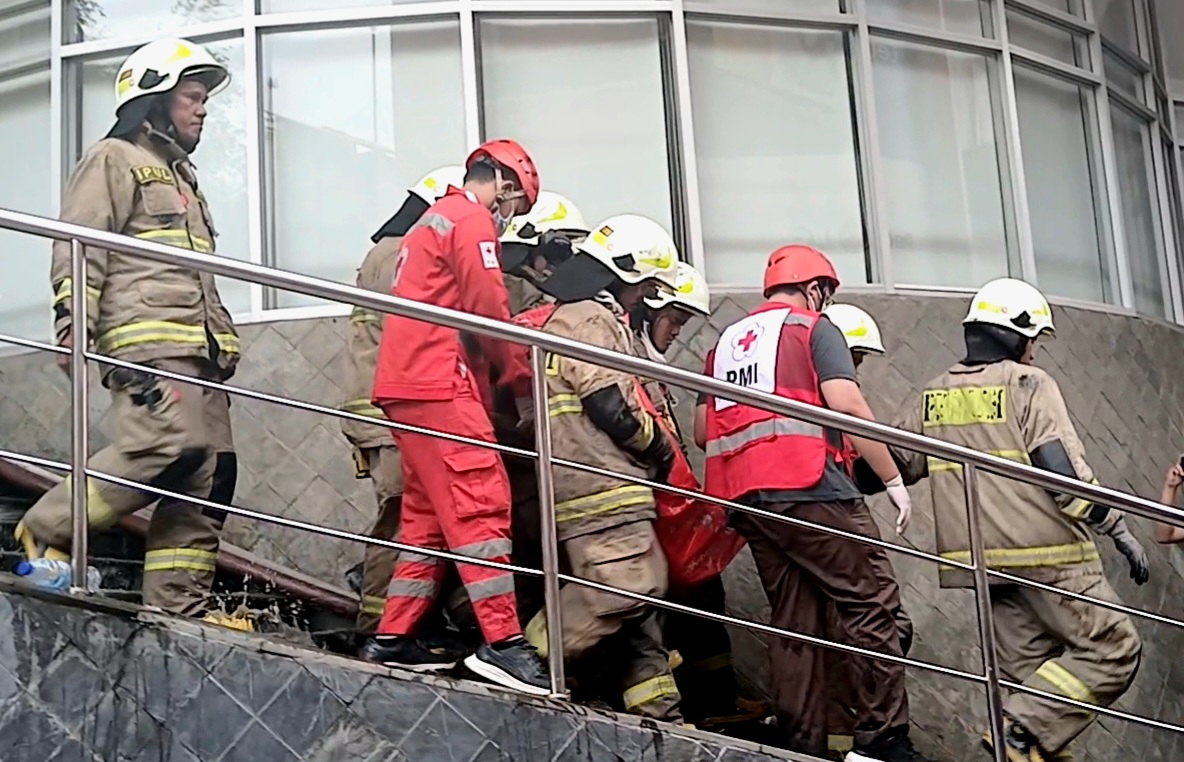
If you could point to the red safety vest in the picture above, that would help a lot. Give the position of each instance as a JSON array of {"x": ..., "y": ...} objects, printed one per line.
[
  {"x": 694, "y": 534},
  {"x": 750, "y": 449}
]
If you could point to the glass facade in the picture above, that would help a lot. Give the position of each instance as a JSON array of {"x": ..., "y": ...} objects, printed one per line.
[{"x": 925, "y": 144}]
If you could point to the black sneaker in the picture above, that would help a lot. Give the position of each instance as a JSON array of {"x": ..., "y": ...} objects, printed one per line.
[
  {"x": 514, "y": 664},
  {"x": 406, "y": 653},
  {"x": 447, "y": 644},
  {"x": 895, "y": 747}
]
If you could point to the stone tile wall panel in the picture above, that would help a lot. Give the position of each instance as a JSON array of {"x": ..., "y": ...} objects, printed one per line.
[
  {"x": 1122, "y": 377},
  {"x": 91, "y": 682}
]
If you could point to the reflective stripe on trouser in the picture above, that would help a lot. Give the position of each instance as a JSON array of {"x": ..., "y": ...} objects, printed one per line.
[
  {"x": 454, "y": 496},
  {"x": 1064, "y": 647},
  {"x": 378, "y": 564},
  {"x": 166, "y": 446},
  {"x": 362, "y": 407}
]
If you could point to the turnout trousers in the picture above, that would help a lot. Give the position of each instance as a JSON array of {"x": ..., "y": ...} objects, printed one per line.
[
  {"x": 455, "y": 497},
  {"x": 169, "y": 435},
  {"x": 1065, "y": 647},
  {"x": 803, "y": 571}
]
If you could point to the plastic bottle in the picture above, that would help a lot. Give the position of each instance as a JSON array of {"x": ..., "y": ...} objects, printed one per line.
[{"x": 55, "y": 575}]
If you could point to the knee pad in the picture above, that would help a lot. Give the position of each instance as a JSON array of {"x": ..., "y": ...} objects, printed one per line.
[{"x": 222, "y": 490}]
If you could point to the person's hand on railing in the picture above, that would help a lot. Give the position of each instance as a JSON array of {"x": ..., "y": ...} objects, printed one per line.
[
  {"x": 899, "y": 495},
  {"x": 1130, "y": 547}
]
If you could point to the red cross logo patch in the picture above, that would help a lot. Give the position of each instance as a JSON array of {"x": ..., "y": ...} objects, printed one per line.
[{"x": 745, "y": 343}]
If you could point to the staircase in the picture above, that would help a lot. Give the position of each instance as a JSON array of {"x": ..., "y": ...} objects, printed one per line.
[{"x": 103, "y": 681}]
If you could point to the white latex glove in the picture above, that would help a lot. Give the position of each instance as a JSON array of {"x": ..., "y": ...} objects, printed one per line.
[
  {"x": 900, "y": 498},
  {"x": 525, "y": 407}
]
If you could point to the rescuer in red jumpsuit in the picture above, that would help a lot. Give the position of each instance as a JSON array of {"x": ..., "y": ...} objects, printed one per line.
[{"x": 456, "y": 496}]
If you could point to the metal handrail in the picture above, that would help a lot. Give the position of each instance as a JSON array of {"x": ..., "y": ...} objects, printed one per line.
[
  {"x": 320, "y": 288},
  {"x": 971, "y": 460}
]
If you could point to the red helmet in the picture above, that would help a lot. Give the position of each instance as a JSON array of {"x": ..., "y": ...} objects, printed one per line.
[
  {"x": 512, "y": 156},
  {"x": 797, "y": 263}
]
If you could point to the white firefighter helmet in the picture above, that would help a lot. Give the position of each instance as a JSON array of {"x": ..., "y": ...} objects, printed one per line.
[
  {"x": 1011, "y": 304},
  {"x": 635, "y": 249},
  {"x": 858, "y": 327},
  {"x": 690, "y": 293},
  {"x": 551, "y": 213},
  {"x": 432, "y": 186},
  {"x": 159, "y": 66}
]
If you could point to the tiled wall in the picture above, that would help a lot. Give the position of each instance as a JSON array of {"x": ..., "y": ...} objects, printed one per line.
[
  {"x": 93, "y": 683},
  {"x": 1122, "y": 378}
]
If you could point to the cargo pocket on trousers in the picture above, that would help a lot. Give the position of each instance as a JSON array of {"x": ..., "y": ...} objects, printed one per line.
[
  {"x": 624, "y": 558},
  {"x": 477, "y": 482}
]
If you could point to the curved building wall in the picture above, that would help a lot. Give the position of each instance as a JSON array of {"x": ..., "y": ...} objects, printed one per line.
[{"x": 1122, "y": 378}]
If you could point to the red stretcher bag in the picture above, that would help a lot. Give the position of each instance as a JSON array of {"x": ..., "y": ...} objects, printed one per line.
[{"x": 694, "y": 534}]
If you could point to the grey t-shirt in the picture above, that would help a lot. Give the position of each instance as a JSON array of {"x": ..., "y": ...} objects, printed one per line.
[{"x": 832, "y": 360}]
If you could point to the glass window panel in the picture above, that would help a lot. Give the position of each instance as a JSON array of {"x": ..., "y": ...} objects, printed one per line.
[
  {"x": 1039, "y": 37},
  {"x": 1068, "y": 6},
  {"x": 764, "y": 7},
  {"x": 596, "y": 123},
  {"x": 389, "y": 110},
  {"x": 220, "y": 160},
  {"x": 283, "y": 6},
  {"x": 1171, "y": 22},
  {"x": 1173, "y": 183},
  {"x": 1123, "y": 77},
  {"x": 1140, "y": 214},
  {"x": 1065, "y": 188},
  {"x": 103, "y": 19},
  {"x": 24, "y": 32},
  {"x": 775, "y": 148},
  {"x": 970, "y": 17},
  {"x": 1116, "y": 22},
  {"x": 25, "y": 149},
  {"x": 941, "y": 164},
  {"x": 1179, "y": 122}
]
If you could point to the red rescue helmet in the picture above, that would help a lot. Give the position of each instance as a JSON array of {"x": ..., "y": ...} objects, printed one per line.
[
  {"x": 795, "y": 264},
  {"x": 514, "y": 158}
]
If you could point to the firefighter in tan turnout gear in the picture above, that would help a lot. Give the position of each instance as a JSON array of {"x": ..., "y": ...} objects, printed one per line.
[
  {"x": 605, "y": 526},
  {"x": 995, "y": 401},
  {"x": 375, "y": 454},
  {"x": 139, "y": 182}
]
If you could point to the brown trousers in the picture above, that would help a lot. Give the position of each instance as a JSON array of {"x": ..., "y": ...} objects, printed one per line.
[
  {"x": 378, "y": 564},
  {"x": 166, "y": 434},
  {"x": 840, "y": 684},
  {"x": 803, "y": 571}
]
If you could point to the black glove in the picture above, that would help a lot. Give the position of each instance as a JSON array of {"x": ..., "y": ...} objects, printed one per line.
[
  {"x": 1130, "y": 547},
  {"x": 660, "y": 455}
]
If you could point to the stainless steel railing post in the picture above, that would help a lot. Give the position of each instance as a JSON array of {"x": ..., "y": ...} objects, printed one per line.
[
  {"x": 79, "y": 414},
  {"x": 986, "y": 622},
  {"x": 544, "y": 468}
]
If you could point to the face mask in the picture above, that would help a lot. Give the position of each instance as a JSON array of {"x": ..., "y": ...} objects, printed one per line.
[{"x": 500, "y": 221}]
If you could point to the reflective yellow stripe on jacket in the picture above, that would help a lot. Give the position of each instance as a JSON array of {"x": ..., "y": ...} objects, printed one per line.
[
  {"x": 362, "y": 407},
  {"x": 615, "y": 499},
  {"x": 1014, "y": 558},
  {"x": 571, "y": 404},
  {"x": 179, "y": 237},
  {"x": 66, "y": 291},
  {"x": 151, "y": 331}
]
